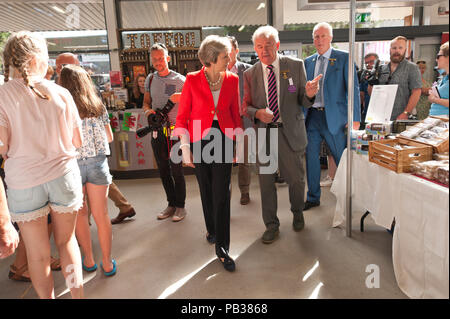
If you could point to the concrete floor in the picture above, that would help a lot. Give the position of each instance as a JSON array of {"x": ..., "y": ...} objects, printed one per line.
[{"x": 163, "y": 259}]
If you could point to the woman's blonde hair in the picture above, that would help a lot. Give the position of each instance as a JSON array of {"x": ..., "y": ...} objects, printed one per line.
[
  {"x": 136, "y": 91},
  {"x": 75, "y": 79},
  {"x": 444, "y": 48},
  {"x": 20, "y": 50}
]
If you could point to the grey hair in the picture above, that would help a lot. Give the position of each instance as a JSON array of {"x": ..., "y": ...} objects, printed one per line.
[
  {"x": 368, "y": 55},
  {"x": 211, "y": 47},
  {"x": 322, "y": 25},
  {"x": 267, "y": 31}
]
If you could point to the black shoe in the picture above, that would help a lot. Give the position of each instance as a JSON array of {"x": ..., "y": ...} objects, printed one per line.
[
  {"x": 309, "y": 205},
  {"x": 298, "y": 222},
  {"x": 210, "y": 238},
  {"x": 228, "y": 262},
  {"x": 245, "y": 198},
  {"x": 270, "y": 235},
  {"x": 279, "y": 179}
]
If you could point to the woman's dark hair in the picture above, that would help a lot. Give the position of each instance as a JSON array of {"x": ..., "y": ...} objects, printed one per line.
[
  {"x": 75, "y": 79},
  {"x": 136, "y": 91}
]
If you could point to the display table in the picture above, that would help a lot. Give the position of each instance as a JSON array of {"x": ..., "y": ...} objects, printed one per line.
[{"x": 421, "y": 210}]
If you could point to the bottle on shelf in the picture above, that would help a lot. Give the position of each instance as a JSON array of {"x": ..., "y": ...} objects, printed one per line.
[
  {"x": 174, "y": 58},
  {"x": 185, "y": 70}
]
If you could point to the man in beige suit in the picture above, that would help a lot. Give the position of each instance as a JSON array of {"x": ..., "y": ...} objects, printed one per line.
[{"x": 275, "y": 92}]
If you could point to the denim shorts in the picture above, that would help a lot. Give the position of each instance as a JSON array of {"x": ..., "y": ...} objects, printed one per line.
[
  {"x": 63, "y": 195},
  {"x": 95, "y": 170}
]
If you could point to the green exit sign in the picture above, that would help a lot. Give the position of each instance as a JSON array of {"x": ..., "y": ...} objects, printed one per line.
[{"x": 363, "y": 17}]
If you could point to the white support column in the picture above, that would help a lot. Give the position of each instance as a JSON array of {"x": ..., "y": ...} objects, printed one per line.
[
  {"x": 111, "y": 29},
  {"x": 278, "y": 14}
]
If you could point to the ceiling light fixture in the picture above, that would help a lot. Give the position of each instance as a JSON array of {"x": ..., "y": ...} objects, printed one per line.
[
  {"x": 262, "y": 5},
  {"x": 58, "y": 9}
]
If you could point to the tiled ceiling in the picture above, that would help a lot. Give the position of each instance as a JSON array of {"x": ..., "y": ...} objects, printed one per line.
[
  {"x": 192, "y": 13},
  {"x": 55, "y": 15}
]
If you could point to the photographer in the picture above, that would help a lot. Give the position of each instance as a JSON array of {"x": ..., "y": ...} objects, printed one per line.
[
  {"x": 404, "y": 73},
  {"x": 161, "y": 88},
  {"x": 365, "y": 74}
]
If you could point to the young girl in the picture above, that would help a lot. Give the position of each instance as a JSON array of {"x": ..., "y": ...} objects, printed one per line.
[
  {"x": 39, "y": 131},
  {"x": 93, "y": 165}
]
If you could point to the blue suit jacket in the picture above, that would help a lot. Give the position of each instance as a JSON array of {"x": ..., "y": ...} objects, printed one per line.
[{"x": 335, "y": 91}]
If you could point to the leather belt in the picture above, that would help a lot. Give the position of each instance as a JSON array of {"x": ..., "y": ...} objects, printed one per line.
[
  {"x": 274, "y": 125},
  {"x": 319, "y": 108}
]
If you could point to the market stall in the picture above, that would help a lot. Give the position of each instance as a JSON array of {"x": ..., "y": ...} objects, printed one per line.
[{"x": 405, "y": 180}]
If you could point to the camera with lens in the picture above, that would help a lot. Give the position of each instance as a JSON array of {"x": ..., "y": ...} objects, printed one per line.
[
  {"x": 156, "y": 120},
  {"x": 372, "y": 76}
]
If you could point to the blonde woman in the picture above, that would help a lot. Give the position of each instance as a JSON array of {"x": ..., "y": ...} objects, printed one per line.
[
  {"x": 439, "y": 96},
  {"x": 39, "y": 134},
  {"x": 93, "y": 165}
]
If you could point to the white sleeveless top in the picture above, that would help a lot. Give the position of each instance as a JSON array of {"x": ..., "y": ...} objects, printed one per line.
[{"x": 215, "y": 95}]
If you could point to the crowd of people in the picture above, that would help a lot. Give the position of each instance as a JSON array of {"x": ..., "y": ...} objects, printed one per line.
[{"x": 54, "y": 138}]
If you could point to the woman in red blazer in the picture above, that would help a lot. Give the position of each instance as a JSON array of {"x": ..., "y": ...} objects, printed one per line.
[{"x": 208, "y": 114}]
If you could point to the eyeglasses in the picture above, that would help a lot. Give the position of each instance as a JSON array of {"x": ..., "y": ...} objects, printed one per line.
[{"x": 438, "y": 56}]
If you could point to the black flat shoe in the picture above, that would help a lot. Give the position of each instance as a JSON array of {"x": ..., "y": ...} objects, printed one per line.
[
  {"x": 228, "y": 262},
  {"x": 309, "y": 205},
  {"x": 210, "y": 238}
]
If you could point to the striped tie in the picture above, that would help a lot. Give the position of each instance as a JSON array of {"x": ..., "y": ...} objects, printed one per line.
[{"x": 273, "y": 97}]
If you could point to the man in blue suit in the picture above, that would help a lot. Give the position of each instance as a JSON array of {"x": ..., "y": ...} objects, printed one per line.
[{"x": 327, "y": 118}]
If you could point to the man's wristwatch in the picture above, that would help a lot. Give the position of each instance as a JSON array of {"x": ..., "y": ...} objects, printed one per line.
[{"x": 407, "y": 113}]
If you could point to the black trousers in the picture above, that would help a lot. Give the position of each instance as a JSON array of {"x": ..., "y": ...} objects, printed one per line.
[
  {"x": 171, "y": 174},
  {"x": 214, "y": 183}
]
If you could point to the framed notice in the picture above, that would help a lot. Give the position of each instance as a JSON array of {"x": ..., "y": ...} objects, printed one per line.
[
  {"x": 116, "y": 78},
  {"x": 121, "y": 94},
  {"x": 381, "y": 103},
  {"x": 443, "y": 9}
]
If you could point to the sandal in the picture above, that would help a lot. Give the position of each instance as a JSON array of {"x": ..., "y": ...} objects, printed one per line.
[
  {"x": 55, "y": 264},
  {"x": 113, "y": 271},
  {"x": 19, "y": 274},
  {"x": 88, "y": 269}
]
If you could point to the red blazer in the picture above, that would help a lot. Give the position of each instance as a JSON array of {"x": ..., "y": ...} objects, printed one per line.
[{"x": 197, "y": 103}]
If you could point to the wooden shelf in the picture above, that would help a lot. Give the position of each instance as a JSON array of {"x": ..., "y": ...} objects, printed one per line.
[{"x": 133, "y": 61}]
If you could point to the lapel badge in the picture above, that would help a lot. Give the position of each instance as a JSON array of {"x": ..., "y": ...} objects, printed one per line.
[
  {"x": 332, "y": 61},
  {"x": 284, "y": 74}
]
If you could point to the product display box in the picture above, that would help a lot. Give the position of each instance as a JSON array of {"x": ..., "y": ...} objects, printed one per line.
[
  {"x": 398, "y": 154},
  {"x": 433, "y": 131}
]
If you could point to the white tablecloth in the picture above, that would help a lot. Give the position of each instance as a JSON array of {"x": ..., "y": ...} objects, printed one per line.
[
  {"x": 421, "y": 211},
  {"x": 369, "y": 184}
]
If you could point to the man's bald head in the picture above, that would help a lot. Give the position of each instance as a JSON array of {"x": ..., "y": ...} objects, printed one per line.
[{"x": 65, "y": 58}]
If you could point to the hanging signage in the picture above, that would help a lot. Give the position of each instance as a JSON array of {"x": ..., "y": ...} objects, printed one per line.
[
  {"x": 363, "y": 17},
  {"x": 171, "y": 38}
]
